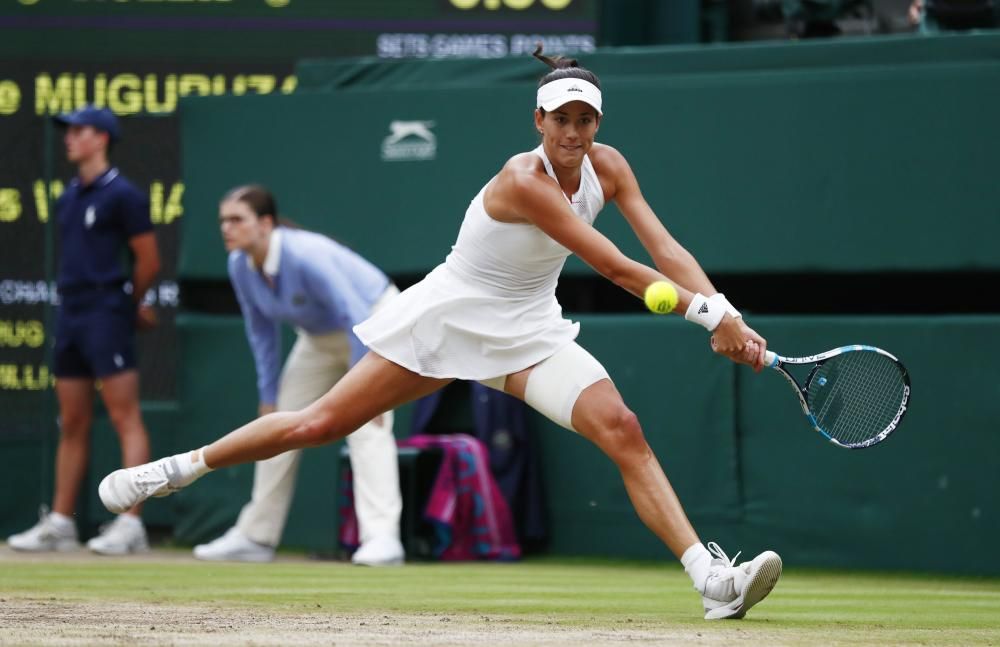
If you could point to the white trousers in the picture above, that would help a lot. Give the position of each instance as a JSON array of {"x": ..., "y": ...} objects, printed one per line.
[{"x": 314, "y": 365}]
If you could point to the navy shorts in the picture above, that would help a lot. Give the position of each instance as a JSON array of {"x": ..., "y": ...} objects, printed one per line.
[{"x": 95, "y": 334}]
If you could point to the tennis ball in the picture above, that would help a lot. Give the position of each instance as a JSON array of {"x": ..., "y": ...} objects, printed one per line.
[{"x": 661, "y": 297}]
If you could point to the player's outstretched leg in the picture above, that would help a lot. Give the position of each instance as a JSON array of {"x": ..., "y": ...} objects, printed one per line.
[
  {"x": 373, "y": 386},
  {"x": 729, "y": 591},
  {"x": 572, "y": 389}
]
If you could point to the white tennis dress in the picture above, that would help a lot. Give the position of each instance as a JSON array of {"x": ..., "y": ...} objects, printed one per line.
[{"x": 490, "y": 309}]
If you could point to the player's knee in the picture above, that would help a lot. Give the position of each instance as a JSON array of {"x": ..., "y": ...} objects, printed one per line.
[
  {"x": 620, "y": 435},
  {"x": 312, "y": 428},
  {"x": 309, "y": 432}
]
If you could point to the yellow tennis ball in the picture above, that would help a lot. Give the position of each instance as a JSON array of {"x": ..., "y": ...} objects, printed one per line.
[{"x": 661, "y": 297}]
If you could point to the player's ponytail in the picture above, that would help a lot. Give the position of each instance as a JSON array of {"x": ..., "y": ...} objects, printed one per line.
[
  {"x": 563, "y": 68},
  {"x": 555, "y": 62}
]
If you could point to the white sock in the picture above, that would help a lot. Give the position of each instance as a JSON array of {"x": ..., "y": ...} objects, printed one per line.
[
  {"x": 59, "y": 520},
  {"x": 697, "y": 561},
  {"x": 190, "y": 471},
  {"x": 130, "y": 518},
  {"x": 200, "y": 467}
]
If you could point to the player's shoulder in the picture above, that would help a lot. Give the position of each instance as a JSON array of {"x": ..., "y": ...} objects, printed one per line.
[
  {"x": 522, "y": 170},
  {"x": 607, "y": 159},
  {"x": 527, "y": 162}
]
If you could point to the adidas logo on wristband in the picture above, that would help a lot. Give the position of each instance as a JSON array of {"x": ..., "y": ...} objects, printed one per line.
[{"x": 700, "y": 313}]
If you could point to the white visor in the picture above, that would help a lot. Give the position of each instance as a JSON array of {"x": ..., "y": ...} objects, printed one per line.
[{"x": 561, "y": 91}]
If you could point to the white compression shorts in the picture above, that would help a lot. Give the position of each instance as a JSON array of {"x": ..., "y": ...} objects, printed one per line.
[{"x": 556, "y": 383}]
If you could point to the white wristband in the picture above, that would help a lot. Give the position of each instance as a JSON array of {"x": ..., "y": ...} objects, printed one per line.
[
  {"x": 704, "y": 312},
  {"x": 709, "y": 311},
  {"x": 721, "y": 299}
]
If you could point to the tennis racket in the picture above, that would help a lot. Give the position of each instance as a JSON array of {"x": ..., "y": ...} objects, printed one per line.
[{"x": 854, "y": 395}]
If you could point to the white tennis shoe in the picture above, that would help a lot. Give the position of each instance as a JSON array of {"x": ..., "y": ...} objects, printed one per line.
[
  {"x": 382, "y": 550},
  {"x": 731, "y": 590},
  {"x": 124, "y": 535},
  {"x": 45, "y": 536},
  {"x": 123, "y": 489},
  {"x": 234, "y": 546}
]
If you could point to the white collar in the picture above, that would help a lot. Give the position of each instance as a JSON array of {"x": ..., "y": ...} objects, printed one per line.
[{"x": 272, "y": 262}]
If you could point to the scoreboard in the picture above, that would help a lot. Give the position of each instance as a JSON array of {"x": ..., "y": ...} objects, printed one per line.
[
  {"x": 299, "y": 28},
  {"x": 139, "y": 57}
]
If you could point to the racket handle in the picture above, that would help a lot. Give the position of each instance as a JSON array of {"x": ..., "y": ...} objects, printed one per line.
[{"x": 770, "y": 359}]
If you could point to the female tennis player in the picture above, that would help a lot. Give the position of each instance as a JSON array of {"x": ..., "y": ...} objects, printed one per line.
[{"x": 489, "y": 313}]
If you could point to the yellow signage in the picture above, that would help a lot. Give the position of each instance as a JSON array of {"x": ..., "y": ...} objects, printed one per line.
[{"x": 517, "y": 5}]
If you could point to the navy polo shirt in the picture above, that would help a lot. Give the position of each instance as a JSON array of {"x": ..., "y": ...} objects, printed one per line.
[{"x": 96, "y": 222}]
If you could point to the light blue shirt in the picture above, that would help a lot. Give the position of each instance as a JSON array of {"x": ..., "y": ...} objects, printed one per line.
[{"x": 320, "y": 287}]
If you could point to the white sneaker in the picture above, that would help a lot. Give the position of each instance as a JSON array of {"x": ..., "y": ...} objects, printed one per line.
[
  {"x": 234, "y": 546},
  {"x": 123, "y": 489},
  {"x": 124, "y": 535},
  {"x": 45, "y": 536},
  {"x": 379, "y": 551},
  {"x": 730, "y": 590}
]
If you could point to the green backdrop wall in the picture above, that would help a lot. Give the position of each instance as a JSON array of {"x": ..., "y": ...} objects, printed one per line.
[
  {"x": 754, "y": 475},
  {"x": 744, "y": 461},
  {"x": 846, "y": 167}
]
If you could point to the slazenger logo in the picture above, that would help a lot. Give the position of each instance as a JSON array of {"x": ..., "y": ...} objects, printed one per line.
[
  {"x": 409, "y": 140},
  {"x": 90, "y": 217}
]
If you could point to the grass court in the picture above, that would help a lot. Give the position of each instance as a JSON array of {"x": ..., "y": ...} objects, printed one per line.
[{"x": 168, "y": 598}]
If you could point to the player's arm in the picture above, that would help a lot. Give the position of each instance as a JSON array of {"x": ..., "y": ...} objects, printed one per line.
[
  {"x": 534, "y": 198},
  {"x": 542, "y": 202},
  {"x": 538, "y": 200},
  {"x": 669, "y": 256}
]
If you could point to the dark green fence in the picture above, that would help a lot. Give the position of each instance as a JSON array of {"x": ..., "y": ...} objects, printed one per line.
[
  {"x": 753, "y": 474},
  {"x": 746, "y": 464}
]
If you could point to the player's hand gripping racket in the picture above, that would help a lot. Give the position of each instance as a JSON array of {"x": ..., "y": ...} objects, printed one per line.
[{"x": 854, "y": 395}]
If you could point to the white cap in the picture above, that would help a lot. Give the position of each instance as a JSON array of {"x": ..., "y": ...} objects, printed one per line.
[{"x": 561, "y": 91}]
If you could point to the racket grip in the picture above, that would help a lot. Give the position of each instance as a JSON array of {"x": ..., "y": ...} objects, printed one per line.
[{"x": 770, "y": 359}]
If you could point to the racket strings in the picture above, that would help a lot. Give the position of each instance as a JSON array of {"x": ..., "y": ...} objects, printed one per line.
[
  {"x": 869, "y": 401},
  {"x": 853, "y": 392},
  {"x": 856, "y": 395}
]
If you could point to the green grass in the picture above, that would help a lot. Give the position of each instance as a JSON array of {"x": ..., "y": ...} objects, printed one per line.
[{"x": 806, "y": 607}]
